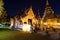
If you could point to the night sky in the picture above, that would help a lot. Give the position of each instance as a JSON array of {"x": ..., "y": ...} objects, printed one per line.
[{"x": 13, "y": 7}]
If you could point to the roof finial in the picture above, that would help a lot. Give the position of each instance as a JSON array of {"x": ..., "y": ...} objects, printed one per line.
[
  {"x": 47, "y": 3},
  {"x": 38, "y": 12},
  {"x": 31, "y": 6}
]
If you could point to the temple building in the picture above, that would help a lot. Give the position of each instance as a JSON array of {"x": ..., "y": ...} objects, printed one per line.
[
  {"x": 26, "y": 16},
  {"x": 30, "y": 17},
  {"x": 49, "y": 19}
]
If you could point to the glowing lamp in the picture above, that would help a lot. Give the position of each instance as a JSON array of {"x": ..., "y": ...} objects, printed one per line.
[{"x": 26, "y": 28}]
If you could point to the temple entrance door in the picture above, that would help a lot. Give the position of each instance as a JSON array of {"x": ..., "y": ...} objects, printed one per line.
[{"x": 30, "y": 21}]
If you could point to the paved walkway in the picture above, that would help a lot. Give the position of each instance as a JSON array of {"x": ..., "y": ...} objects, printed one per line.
[{"x": 51, "y": 34}]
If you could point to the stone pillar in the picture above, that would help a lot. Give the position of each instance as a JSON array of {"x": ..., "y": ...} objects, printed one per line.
[
  {"x": 11, "y": 23},
  {"x": 41, "y": 25}
]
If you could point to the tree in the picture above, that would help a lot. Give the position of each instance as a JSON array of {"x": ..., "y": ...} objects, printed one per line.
[
  {"x": 3, "y": 13},
  {"x": 1, "y": 7}
]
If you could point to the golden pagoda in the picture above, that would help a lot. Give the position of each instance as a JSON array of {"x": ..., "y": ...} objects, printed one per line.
[{"x": 49, "y": 18}]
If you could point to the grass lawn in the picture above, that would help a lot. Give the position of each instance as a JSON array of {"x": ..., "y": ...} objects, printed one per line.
[{"x": 6, "y": 34}]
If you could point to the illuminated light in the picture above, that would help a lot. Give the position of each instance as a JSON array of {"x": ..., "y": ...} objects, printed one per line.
[
  {"x": 11, "y": 23},
  {"x": 26, "y": 28},
  {"x": 58, "y": 23},
  {"x": 45, "y": 23}
]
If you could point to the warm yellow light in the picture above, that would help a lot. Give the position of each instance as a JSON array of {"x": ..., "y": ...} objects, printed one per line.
[
  {"x": 26, "y": 28},
  {"x": 45, "y": 23},
  {"x": 11, "y": 23},
  {"x": 58, "y": 23}
]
